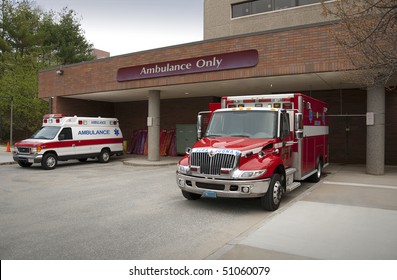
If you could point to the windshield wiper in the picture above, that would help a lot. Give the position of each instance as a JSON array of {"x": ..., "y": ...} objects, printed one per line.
[
  {"x": 214, "y": 135},
  {"x": 239, "y": 135}
]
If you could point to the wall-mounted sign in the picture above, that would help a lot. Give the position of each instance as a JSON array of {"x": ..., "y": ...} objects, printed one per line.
[{"x": 217, "y": 62}]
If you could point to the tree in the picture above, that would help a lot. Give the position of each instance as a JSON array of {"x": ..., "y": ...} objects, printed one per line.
[
  {"x": 30, "y": 40},
  {"x": 368, "y": 32},
  {"x": 72, "y": 46}
]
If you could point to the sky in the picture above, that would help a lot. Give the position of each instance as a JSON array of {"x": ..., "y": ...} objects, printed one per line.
[{"x": 126, "y": 26}]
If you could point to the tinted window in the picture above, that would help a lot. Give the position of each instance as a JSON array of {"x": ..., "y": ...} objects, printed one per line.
[
  {"x": 241, "y": 9},
  {"x": 284, "y": 4},
  {"x": 66, "y": 134},
  {"x": 260, "y": 6}
]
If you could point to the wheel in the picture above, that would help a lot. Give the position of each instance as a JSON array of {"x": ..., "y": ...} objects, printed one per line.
[
  {"x": 191, "y": 196},
  {"x": 49, "y": 161},
  {"x": 271, "y": 200},
  {"x": 317, "y": 176},
  {"x": 104, "y": 156},
  {"x": 24, "y": 164}
]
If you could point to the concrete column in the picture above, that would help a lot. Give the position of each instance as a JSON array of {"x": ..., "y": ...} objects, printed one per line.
[
  {"x": 153, "y": 123},
  {"x": 376, "y": 130}
]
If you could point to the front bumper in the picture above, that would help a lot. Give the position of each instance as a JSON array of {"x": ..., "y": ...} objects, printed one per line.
[
  {"x": 30, "y": 158},
  {"x": 223, "y": 188}
]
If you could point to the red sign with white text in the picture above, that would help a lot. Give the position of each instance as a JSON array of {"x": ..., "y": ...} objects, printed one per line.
[{"x": 217, "y": 62}]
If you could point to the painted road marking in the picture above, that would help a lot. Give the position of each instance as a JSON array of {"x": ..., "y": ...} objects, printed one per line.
[{"x": 360, "y": 185}]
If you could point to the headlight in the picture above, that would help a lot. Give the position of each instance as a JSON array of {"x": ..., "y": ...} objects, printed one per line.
[
  {"x": 36, "y": 150},
  {"x": 183, "y": 169},
  {"x": 249, "y": 174}
]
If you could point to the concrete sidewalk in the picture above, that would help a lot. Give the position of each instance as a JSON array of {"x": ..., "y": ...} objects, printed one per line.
[
  {"x": 5, "y": 157},
  {"x": 131, "y": 160},
  {"x": 348, "y": 215}
]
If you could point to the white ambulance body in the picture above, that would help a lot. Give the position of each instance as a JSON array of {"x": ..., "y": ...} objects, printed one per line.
[{"x": 62, "y": 138}]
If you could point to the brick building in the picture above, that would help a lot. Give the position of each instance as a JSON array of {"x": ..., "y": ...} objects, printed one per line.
[{"x": 250, "y": 47}]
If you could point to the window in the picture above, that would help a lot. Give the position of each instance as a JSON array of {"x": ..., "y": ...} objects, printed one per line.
[
  {"x": 284, "y": 129},
  {"x": 241, "y": 9},
  {"x": 261, "y": 6},
  {"x": 284, "y": 4},
  {"x": 250, "y": 124},
  {"x": 46, "y": 132},
  {"x": 66, "y": 134},
  {"x": 307, "y": 2}
]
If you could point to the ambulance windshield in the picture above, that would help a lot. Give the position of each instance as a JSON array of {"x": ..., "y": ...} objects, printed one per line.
[
  {"x": 46, "y": 132},
  {"x": 250, "y": 124}
]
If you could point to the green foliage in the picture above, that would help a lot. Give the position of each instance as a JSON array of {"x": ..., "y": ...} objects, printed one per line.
[{"x": 30, "y": 40}]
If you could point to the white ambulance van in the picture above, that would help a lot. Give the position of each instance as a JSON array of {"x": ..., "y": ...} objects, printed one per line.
[{"x": 62, "y": 138}]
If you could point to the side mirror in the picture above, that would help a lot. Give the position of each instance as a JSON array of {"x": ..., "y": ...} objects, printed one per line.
[
  {"x": 202, "y": 123},
  {"x": 299, "y": 125},
  {"x": 199, "y": 126},
  {"x": 298, "y": 121},
  {"x": 299, "y": 134}
]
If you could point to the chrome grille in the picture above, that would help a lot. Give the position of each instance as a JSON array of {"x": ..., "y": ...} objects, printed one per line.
[
  {"x": 212, "y": 164},
  {"x": 23, "y": 150}
]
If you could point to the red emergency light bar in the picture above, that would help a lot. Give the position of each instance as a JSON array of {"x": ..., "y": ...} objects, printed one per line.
[
  {"x": 53, "y": 116},
  {"x": 249, "y": 101},
  {"x": 48, "y": 118}
]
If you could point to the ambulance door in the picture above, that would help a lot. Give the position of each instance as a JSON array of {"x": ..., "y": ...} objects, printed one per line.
[
  {"x": 66, "y": 144},
  {"x": 83, "y": 143}
]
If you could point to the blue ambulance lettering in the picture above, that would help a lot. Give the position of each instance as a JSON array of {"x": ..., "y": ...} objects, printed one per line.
[{"x": 94, "y": 132}]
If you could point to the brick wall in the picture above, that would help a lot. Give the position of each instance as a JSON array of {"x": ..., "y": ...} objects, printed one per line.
[
  {"x": 72, "y": 107},
  {"x": 133, "y": 115},
  {"x": 296, "y": 51},
  {"x": 348, "y": 134},
  {"x": 345, "y": 146}
]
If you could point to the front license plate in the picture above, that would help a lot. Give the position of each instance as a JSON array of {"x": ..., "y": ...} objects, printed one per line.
[{"x": 209, "y": 194}]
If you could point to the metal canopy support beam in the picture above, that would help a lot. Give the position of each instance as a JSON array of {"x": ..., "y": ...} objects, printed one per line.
[
  {"x": 376, "y": 130},
  {"x": 153, "y": 123}
]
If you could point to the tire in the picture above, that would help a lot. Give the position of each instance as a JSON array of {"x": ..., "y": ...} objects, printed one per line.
[
  {"x": 24, "y": 164},
  {"x": 49, "y": 161},
  {"x": 104, "y": 156},
  {"x": 191, "y": 196},
  {"x": 317, "y": 176},
  {"x": 271, "y": 200}
]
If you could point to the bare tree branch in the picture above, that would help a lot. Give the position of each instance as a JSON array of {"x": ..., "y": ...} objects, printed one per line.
[{"x": 368, "y": 33}]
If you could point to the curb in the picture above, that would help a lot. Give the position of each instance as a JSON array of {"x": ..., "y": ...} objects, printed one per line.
[
  {"x": 148, "y": 163},
  {"x": 7, "y": 163}
]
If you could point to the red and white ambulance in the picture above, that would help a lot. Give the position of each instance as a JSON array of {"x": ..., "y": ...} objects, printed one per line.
[
  {"x": 257, "y": 146},
  {"x": 62, "y": 138}
]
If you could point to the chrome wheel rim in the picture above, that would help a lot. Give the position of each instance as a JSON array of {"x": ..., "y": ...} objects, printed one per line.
[
  {"x": 51, "y": 162},
  {"x": 277, "y": 193},
  {"x": 105, "y": 156},
  {"x": 319, "y": 170}
]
